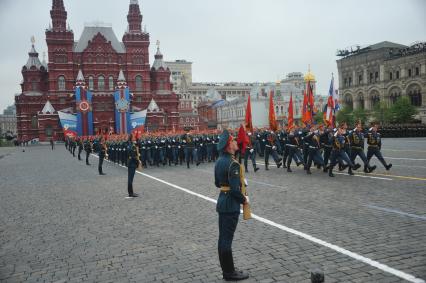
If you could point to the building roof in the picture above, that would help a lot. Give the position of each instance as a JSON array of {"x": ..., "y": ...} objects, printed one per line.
[
  {"x": 386, "y": 44},
  {"x": 33, "y": 59},
  {"x": 158, "y": 62},
  {"x": 48, "y": 108},
  {"x": 153, "y": 106},
  {"x": 90, "y": 32}
]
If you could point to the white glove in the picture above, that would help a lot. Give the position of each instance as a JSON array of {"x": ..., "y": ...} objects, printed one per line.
[
  {"x": 247, "y": 200},
  {"x": 251, "y": 150},
  {"x": 245, "y": 182},
  {"x": 274, "y": 147}
]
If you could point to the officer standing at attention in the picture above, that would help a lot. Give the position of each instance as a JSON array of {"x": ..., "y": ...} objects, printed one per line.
[
  {"x": 87, "y": 149},
  {"x": 227, "y": 178},
  {"x": 102, "y": 152},
  {"x": 132, "y": 164}
]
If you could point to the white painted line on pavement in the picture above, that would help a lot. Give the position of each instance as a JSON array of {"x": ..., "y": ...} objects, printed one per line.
[
  {"x": 403, "y": 158},
  {"x": 356, "y": 175},
  {"x": 336, "y": 248},
  {"x": 396, "y": 211}
]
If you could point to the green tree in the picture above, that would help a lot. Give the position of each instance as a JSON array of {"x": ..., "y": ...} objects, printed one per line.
[
  {"x": 381, "y": 113},
  {"x": 401, "y": 111},
  {"x": 360, "y": 114},
  {"x": 345, "y": 115},
  {"x": 319, "y": 117}
]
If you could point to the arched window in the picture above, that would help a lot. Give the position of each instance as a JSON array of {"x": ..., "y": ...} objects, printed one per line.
[
  {"x": 111, "y": 83},
  {"x": 162, "y": 85},
  {"x": 49, "y": 130},
  {"x": 138, "y": 82},
  {"x": 375, "y": 100},
  {"x": 390, "y": 75},
  {"x": 91, "y": 82},
  {"x": 34, "y": 122},
  {"x": 61, "y": 83},
  {"x": 34, "y": 84},
  {"x": 415, "y": 96},
  {"x": 101, "y": 83},
  {"x": 417, "y": 71}
]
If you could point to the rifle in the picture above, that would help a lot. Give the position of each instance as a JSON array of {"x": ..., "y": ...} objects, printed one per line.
[
  {"x": 246, "y": 206},
  {"x": 139, "y": 158}
]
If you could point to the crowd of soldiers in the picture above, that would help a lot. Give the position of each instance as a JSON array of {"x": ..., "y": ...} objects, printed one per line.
[{"x": 318, "y": 145}]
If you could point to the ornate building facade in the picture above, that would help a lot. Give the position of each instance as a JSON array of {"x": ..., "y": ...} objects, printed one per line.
[
  {"x": 383, "y": 72},
  {"x": 100, "y": 56}
]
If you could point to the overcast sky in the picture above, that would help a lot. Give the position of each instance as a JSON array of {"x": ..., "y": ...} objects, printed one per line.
[{"x": 227, "y": 40}]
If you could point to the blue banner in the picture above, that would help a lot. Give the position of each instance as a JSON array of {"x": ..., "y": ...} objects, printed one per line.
[
  {"x": 84, "y": 112},
  {"x": 122, "y": 111}
]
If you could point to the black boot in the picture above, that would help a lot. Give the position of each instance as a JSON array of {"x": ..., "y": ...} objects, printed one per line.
[
  {"x": 330, "y": 172},
  {"x": 279, "y": 165},
  {"x": 308, "y": 171},
  {"x": 388, "y": 167},
  {"x": 266, "y": 167},
  {"x": 255, "y": 169},
  {"x": 229, "y": 272},
  {"x": 350, "y": 171},
  {"x": 372, "y": 168}
]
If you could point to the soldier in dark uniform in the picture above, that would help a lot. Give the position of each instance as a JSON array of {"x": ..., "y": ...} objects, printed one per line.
[
  {"x": 87, "y": 149},
  {"x": 271, "y": 149},
  {"x": 250, "y": 152},
  {"x": 313, "y": 149},
  {"x": 338, "y": 151},
  {"x": 326, "y": 143},
  {"x": 227, "y": 178},
  {"x": 80, "y": 147},
  {"x": 374, "y": 142},
  {"x": 102, "y": 153},
  {"x": 357, "y": 147},
  {"x": 132, "y": 164}
]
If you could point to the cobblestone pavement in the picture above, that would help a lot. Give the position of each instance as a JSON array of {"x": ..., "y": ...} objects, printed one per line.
[{"x": 62, "y": 222}]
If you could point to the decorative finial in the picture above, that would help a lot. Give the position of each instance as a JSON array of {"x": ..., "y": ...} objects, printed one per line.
[
  {"x": 158, "y": 44},
  {"x": 32, "y": 40}
]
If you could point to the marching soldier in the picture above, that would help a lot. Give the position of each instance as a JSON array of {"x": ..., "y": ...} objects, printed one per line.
[
  {"x": 357, "y": 147},
  {"x": 313, "y": 149},
  {"x": 250, "y": 152},
  {"x": 338, "y": 151},
  {"x": 227, "y": 178},
  {"x": 375, "y": 145},
  {"x": 271, "y": 148}
]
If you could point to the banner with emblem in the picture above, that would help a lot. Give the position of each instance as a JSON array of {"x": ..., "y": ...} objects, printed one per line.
[
  {"x": 122, "y": 111},
  {"x": 84, "y": 112},
  {"x": 137, "y": 122},
  {"x": 68, "y": 123}
]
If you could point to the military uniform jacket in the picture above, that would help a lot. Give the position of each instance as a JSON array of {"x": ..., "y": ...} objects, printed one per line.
[
  {"x": 357, "y": 139},
  {"x": 133, "y": 161},
  {"x": 227, "y": 174},
  {"x": 374, "y": 139}
]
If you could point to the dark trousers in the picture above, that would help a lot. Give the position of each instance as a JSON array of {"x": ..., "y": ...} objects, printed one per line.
[
  {"x": 87, "y": 157},
  {"x": 339, "y": 155},
  {"x": 252, "y": 156},
  {"x": 273, "y": 152},
  {"x": 79, "y": 152},
  {"x": 375, "y": 151},
  {"x": 358, "y": 152},
  {"x": 315, "y": 155},
  {"x": 293, "y": 153},
  {"x": 131, "y": 175},
  {"x": 227, "y": 226},
  {"x": 327, "y": 153},
  {"x": 101, "y": 161}
]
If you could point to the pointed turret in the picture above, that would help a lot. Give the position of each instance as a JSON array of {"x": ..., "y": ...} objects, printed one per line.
[
  {"x": 79, "y": 81},
  {"x": 58, "y": 15},
  {"x": 153, "y": 106},
  {"x": 48, "y": 108},
  {"x": 158, "y": 62},
  {"x": 121, "y": 81},
  {"x": 33, "y": 60},
  {"x": 134, "y": 17}
]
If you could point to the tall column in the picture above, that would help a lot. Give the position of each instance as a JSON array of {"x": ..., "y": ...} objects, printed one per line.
[{"x": 367, "y": 102}]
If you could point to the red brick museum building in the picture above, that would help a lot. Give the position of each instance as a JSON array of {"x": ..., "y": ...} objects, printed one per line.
[{"x": 48, "y": 87}]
